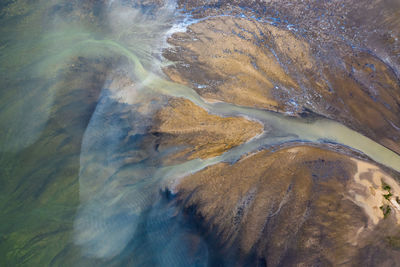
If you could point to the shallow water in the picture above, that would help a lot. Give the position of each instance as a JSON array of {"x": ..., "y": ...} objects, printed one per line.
[{"x": 80, "y": 178}]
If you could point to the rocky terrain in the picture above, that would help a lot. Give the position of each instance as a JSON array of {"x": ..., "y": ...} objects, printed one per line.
[
  {"x": 182, "y": 123},
  {"x": 243, "y": 60},
  {"x": 300, "y": 205},
  {"x": 297, "y": 205},
  {"x": 200, "y": 133}
]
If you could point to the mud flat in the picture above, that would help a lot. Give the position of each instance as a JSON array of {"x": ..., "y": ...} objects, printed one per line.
[{"x": 298, "y": 205}]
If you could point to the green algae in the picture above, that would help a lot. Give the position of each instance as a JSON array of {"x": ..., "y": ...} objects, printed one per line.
[
  {"x": 386, "y": 210},
  {"x": 43, "y": 118},
  {"x": 394, "y": 241},
  {"x": 39, "y": 189}
]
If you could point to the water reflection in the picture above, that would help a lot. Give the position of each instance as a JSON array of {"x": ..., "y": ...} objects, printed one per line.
[
  {"x": 120, "y": 202},
  {"x": 77, "y": 119},
  {"x": 115, "y": 179},
  {"x": 54, "y": 69}
]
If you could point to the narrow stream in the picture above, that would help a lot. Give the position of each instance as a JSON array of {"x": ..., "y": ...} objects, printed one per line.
[{"x": 122, "y": 218}]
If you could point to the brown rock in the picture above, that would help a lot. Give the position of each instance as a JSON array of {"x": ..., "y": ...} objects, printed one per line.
[
  {"x": 246, "y": 62},
  {"x": 203, "y": 135},
  {"x": 298, "y": 206}
]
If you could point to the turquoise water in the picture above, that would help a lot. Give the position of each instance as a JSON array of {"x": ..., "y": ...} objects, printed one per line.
[{"x": 81, "y": 182}]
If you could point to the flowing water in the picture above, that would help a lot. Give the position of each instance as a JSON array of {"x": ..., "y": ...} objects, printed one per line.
[{"x": 80, "y": 181}]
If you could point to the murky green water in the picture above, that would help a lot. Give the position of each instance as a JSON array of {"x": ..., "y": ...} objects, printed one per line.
[{"x": 80, "y": 179}]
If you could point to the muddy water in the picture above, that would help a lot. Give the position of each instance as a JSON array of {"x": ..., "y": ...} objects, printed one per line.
[{"x": 80, "y": 180}]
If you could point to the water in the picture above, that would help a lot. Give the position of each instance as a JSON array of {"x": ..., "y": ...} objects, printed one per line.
[{"x": 80, "y": 178}]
